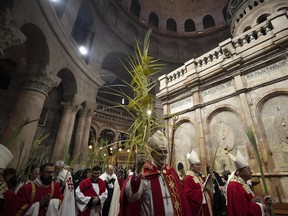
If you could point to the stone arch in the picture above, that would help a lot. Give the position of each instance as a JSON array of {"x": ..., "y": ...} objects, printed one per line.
[
  {"x": 185, "y": 139},
  {"x": 171, "y": 25},
  {"x": 225, "y": 133},
  {"x": 189, "y": 25},
  {"x": 208, "y": 21},
  {"x": 246, "y": 28},
  {"x": 92, "y": 136},
  {"x": 68, "y": 84},
  {"x": 153, "y": 20},
  {"x": 135, "y": 8},
  {"x": 262, "y": 18},
  {"x": 272, "y": 117},
  {"x": 106, "y": 137},
  {"x": 114, "y": 75},
  {"x": 37, "y": 51}
]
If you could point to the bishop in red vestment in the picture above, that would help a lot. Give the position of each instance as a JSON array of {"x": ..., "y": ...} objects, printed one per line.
[
  {"x": 42, "y": 196},
  {"x": 156, "y": 190},
  {"x": 195, "y": 191},
  {"x": 240, "y": 198},
  {"x": 91, "y": 194}
]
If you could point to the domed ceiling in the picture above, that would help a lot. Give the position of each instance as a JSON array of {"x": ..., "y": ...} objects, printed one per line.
[
  {"x": 182, "y": 29},
  {"x": 189, "y": 16}
]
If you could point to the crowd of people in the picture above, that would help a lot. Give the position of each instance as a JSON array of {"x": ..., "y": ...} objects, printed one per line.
[{"x": 151, "y": 188}]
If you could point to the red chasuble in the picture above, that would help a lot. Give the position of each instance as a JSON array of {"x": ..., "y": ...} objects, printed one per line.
[
  {"x": 240, "y": 199},
  {"x": 193, "y": 191},
  {"x": 9, "y": 207},
  {"x": 32, "y": 192},
  {"x": 87, "y": 189},
  {"x": 150, "y": 173}
]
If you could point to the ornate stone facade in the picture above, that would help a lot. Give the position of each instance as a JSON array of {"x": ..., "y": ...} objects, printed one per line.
[{"x": 217, "y": 96}]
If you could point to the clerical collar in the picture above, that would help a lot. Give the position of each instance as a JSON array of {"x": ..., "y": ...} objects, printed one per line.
[
  {"x": 153, "y": 162},
  {"x": 40, "y": 183},
  {"x": 96, "y": 181}
]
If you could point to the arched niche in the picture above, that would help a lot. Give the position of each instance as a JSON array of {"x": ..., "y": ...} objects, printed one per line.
[
  {"x": 68, "y": 84},
  {"x": 37, "y": 51},
  {"x": 226, "y": 134},
  {"x": 185, "y": 139},
  {"x": 272, "y": 114}
]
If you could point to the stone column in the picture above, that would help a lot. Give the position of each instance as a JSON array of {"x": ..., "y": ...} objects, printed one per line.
[
  {"x": 59, "y": 144},
  {"x": 79, "y": 134},
  {"x": 71, "y": 127},
  {"x": 86, "y": 133},
  {"x": 32, "y": 94}
]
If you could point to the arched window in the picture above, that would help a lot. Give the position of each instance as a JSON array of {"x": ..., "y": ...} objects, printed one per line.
[
  {"x": 135, "y": 8},
  {"x": 92, "y": 137},
  {"x": 153, "y": 20},
  {"x": 106, "y": 138},
  {"x": 262, "y": 18},
  {"x": 171, "y": 25},
  {"x": 189, "y": 26},
  {"x": 247, "y": 28},
  {"x": 123, "y": 138},
  {"x": 208, "y": 21}
]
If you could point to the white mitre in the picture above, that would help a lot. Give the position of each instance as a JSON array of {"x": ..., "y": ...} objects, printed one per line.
[
  {"x": 193, "y": 157},
  {"x": 239, "y": 161},
  {"x": 63, "y": 174},
  {"x": 158, "y": 140},
  {"x": 5, "y": 156}
]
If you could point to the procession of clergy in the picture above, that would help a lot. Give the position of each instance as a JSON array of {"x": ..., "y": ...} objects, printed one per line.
[{"x": 154, "y": 188}]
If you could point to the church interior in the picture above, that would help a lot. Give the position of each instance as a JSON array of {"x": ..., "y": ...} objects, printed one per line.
[{"x": 225, "y": 71}]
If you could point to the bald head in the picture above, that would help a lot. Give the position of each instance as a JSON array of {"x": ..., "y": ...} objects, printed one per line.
[{"x": 109, "y": 169}]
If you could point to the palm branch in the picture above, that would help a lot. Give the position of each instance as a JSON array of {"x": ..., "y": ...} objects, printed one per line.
[
  {"x": 11, "y": 138},
  {"x": 141, "y": 107},
  {"x": 252, "y": 140}
]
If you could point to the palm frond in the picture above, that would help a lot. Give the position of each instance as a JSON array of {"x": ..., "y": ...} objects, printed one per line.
[
  {"x": 11, "y": 138},
  {"x": 252, "y": 140}
]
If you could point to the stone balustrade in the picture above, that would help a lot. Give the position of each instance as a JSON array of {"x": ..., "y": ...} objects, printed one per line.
[{"x": 227, "y": 51}]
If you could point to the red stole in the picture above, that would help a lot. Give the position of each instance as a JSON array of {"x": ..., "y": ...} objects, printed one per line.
[
  {"x": 180, "y": 204},
  {"x": 87, "y": 189},
  {"x": 240, "y": 199},
  {"x": 193, "y": 191},
  {"x": 32, "y": 192},
  {"x": 172, "y": 182}
]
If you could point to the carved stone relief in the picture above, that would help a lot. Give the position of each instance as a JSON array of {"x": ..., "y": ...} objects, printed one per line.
[
  {"x": 9, "y": 33},
  {"x": 185, "y": 141},
  {"x": 226, "y": 135},
  {"x": 274, "y": 115}
]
